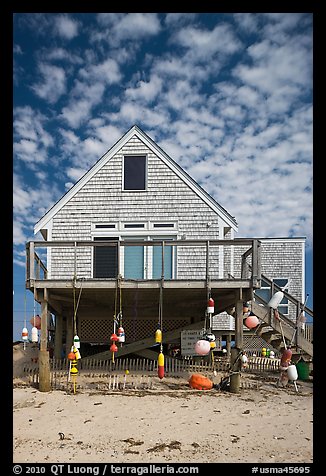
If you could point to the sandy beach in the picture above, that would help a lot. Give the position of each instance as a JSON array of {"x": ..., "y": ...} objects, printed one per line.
[{"x": 170, "y": 423}]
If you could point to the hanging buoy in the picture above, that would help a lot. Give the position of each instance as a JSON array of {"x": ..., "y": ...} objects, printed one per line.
[
  {"x": 158, "y": 336},
  {"x": 251, "y": 321},
  {"x": 212, "y": 344},
  {"x": 244, "y": 359},
  {"x": 272, "y": 354},
  {"x": 36, "y": 322},
  {"x": 160, "y": 365},
  {"x": 292, "y": 372},
  {"x": 121, "y": 335},
  {"x": 202, "y": 347},
  {"x": 286, "y": 356},
  {"x": 210, "y": 306},
  {"x": 76, "y": 352},
  {"x": 113, "y": 348},
  {"x": 210, "y": 337},
  {"x": 263, "y": 352},
  {"x": 114, "y": 338},
  {"x": 34, "y": 334},
  {"x": 276, "y": 299},
  {"x": 25, "y": 334},
  {"x": 71, "y": 356},
  {"x": 76, "y": 342}
]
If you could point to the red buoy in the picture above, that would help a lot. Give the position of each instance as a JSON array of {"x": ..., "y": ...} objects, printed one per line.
[
  {"x": 286, "y": 356},
  {"x": 210, "y": 306},
  {"x": 36, "y": 322},
  {"x": 113, "y": 348},
  {"x": 160, "y": 365},
  {"x": 114, "y": 337}
]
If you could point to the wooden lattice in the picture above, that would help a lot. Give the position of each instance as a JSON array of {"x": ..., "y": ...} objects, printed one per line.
[{"x": 99, "y": 330}]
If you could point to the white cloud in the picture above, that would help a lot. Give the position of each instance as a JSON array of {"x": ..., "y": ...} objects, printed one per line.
[
  {"x": 61, "y": 54},
  {"x": 31, "y": 140},
  {"x": 203, "y": 44},
  {"x": 146, "y": 91},
  {"x": 66, "y": 27},
  {"x": 130, "y": 26},
  {"x": 247, "y": 21},
  {"x": 177, "y": 19},
  {"x": 53, "y": 85},
  {"x": 83, "y": 98},
  {"x": 107, "y": 72},
  {"x": 75, "y": 173},
  {"x": 277, "y": 66}
]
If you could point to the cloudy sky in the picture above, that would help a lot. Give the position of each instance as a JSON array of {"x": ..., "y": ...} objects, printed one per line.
[{"x": 227, "y": 96}]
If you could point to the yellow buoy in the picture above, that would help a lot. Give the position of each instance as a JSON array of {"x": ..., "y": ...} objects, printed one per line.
[{"x": 158, "y": 336}]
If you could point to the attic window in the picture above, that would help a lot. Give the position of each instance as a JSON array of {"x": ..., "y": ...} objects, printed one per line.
[{"x": 134, "y": 172}]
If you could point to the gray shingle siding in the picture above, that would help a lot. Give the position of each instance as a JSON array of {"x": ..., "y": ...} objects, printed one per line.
[
  {"x": 102, "y": 199},
  {"x": 167, "y": 198}
]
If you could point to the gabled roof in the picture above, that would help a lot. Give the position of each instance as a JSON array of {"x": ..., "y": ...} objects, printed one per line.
[{"x": 136, "y": 131}]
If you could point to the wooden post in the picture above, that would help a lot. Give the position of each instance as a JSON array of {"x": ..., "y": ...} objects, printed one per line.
[
  {"x": 228, "y": 346},
  {"x": 235, "y": 361},
  {"x": 44, "y": 360},
  {"x": 31, "y": 261},
  {"x": 69, "y": 334},
  {"x": 58, "y": 336}
]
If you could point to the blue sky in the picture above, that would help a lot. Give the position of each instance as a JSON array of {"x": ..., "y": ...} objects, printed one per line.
[{"x": 227, "y": 96}]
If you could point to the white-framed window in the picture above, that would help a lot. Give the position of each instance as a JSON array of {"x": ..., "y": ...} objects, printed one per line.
[
  {"x": 136, "y": 261},
  {"x": 265, "y": 293},
  {"x": 134, "y": 173}
]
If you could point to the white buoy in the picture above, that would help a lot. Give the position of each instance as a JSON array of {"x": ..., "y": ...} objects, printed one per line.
[
  {"x": 244, "y": 359},
  {"x": 292, "y": 372},
  {"x": 76, "y": 342},
  {"x": 25, "y": 334},
  {"x": 276, "y": 299},
  {"x": 34, "y": 334}
]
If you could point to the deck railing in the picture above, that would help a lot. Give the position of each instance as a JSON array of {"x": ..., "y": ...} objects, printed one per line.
[{"x": 250, "y": 264}]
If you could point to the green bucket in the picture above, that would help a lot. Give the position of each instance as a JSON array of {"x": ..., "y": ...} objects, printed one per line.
[{"x": 303, "y": 370}]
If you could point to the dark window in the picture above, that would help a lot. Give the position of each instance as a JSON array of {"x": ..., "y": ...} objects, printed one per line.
[
  {"x": 105, "y": 259},
  {"x": 163, "y": 225},
  {"x": 134, "y": 172},
  {"x": 104, "y": 226},
  {"x": 134, "y": 225}
]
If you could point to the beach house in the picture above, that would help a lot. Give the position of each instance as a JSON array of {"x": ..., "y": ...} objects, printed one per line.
[{"x": 139, "y": 237}]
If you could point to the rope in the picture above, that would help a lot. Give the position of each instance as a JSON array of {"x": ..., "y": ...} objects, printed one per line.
[{"x": 76, "y": 305}]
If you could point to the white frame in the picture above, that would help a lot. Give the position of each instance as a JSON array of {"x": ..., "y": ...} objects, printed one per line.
[{"x": 147, "y": 233}]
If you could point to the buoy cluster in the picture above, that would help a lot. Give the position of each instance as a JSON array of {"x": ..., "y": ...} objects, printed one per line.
[{"x": 204, "y": 345}]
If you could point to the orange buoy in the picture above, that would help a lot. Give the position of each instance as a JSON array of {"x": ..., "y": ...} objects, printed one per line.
[
  {"x": 114, "y": 337},
  {"x": 200, "y": 382},
  {"x": 71, "y": 356}
]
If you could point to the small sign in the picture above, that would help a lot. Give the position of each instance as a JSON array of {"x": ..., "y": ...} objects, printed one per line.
[{"x": 189, "y": 339}]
